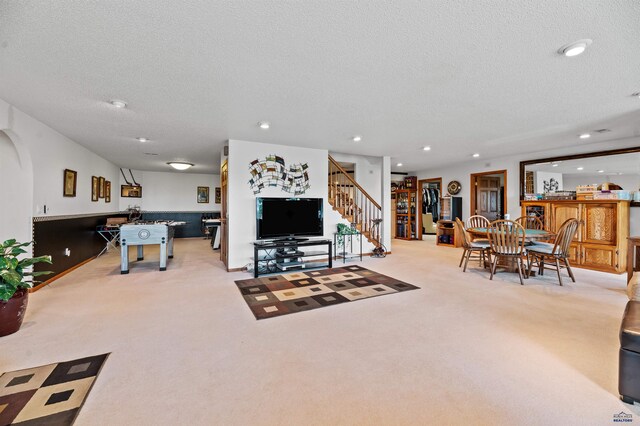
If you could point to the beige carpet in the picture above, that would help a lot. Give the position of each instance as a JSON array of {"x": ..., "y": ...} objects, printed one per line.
[{"x": 463, "y": 350}]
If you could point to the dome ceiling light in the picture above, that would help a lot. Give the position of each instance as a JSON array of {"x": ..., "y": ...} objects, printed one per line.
[{"x": 180, "y": 165}]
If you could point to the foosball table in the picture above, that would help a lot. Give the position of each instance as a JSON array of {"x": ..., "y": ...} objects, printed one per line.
[{"x": 141, "y": 234}]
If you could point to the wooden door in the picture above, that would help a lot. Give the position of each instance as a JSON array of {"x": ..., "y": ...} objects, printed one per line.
[
  {"x": 600, "y": 223},
  {"x": 488, "y": 197},
  {"x": 224, "y": 231}
]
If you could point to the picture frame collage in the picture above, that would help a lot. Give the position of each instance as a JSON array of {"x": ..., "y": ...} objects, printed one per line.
[{"x": 100, "y": 187}]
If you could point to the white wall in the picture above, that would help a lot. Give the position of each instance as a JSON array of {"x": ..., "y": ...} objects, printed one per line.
[
  {"x": 242, "y": 205},
  {"x": 368, "y": 172},
  {"x": 16, "y": 180},
  {"x": 171, "y": 191},
  {"x": 51, "y": 153},
  {"x": 461, "y": 172}
]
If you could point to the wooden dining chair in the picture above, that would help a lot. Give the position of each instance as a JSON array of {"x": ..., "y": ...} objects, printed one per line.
[
  {"x": 507, "y": 242},
  {"x": 478, "y": 221},
  {"x": 556, "y": 252},
  {"x": 481, "y": 247},
  {"x": 530, "y": 222}
]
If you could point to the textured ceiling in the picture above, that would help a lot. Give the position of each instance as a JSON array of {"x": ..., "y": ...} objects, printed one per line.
[{"x": 461, "y": 76}]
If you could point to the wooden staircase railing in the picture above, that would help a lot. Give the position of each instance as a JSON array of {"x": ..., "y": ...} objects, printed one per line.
[{"x": 354, "y": 203}]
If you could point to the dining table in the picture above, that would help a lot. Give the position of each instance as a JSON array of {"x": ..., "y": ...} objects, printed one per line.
[{"x": 530, "y": 235}]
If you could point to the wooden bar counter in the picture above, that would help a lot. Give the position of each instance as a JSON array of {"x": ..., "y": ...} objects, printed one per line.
[{"x": 601, "y": 240}]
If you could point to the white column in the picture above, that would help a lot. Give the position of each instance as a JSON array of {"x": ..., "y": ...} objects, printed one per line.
[{"x": 386, "y": 202}]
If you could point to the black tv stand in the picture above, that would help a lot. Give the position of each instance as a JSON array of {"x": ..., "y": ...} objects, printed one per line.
[
  {"x": 283, "y": 256},
  {"x": 290, "y": 240}
]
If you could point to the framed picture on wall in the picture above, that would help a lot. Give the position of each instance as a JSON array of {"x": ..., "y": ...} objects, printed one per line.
[
  {"x": 203, "y": 194},
  {"x": 131, "y": 191},
  {"x": 70, "y": 181},
  {"x": 218, "y": 198},
  {"x": 101, "y": 187},
  {"x": 107, "y": 191},
  {"x": 94, "y": 188}
]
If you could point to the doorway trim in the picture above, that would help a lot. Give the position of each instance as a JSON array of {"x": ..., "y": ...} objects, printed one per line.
[
  {"x": 419, "y": 197},
  {"x": 474, "y": 193}
]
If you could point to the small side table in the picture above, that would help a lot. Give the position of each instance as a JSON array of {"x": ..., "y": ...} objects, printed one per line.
[
  {"x": 633, "y": 257},
  {"x": 343, "y": 253}
]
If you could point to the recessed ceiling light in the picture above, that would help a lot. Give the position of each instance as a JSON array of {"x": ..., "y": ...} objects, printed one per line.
[
  {"x": 476, "y": 155},
  {"x": 118, "y": 103},
  {"x": 600, "y": 171},
  {"x": 426, "y": 148},
  {"x": 575, "y": 48},
  {"x": 585, "y": 136},
  {"x": 554, "y": 165},
  {"x": 356, "y": 138},
  {"x": 143, "y": 139},
  {"x": 399, "y": 164},
  {"x": 264, "y": 125},
  {"x": 180, "y": 165},
  {"x": 580, "y": 168}
]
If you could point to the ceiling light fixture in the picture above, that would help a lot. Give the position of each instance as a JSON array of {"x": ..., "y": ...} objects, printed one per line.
[
  {"x": 575, "y": 48},
  {"x": 356, "y": 138},
  {"x": 426, "y": 148},
  {"x": 143, "y": 139},
  {"x": 580, "y": 168},
  {"x": 600, "y": 171},
  {"x": 476, "y": 155},
  {"x": 118, "y": 103},
  {"x": 264, "y": 125},
  {"x": 399, "y": 164},
  {"x": 180, "y": 165},
  {"x": 585, "y": 136},
  {"x": 554, "y": 165}
]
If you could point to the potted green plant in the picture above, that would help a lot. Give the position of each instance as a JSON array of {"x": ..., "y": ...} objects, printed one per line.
[
  {"x": 16, "y": 279},
  {"x": 345, "y": 230}
]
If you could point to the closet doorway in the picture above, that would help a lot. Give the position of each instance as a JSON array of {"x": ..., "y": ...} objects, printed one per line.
[
  {"x": 488, "y": 194},
  {"x": 429, "y": 193}
]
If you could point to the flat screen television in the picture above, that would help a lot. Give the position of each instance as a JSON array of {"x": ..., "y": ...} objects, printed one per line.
[{"x": 288, "y": 218}]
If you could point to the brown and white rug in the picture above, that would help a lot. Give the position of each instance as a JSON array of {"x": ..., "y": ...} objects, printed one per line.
[
  {"x": 277, "y": 295},
  {"x": 48, "y": 395}
]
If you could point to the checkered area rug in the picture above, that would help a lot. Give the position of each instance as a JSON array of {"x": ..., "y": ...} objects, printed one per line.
[
  {"x": 48, "y": 395},
  {"x": 302, "y": 291}
]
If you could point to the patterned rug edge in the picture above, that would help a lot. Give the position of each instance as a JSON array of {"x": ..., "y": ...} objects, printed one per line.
[
  {"x": 68, "y": 421},
  {"x": 283, "y": 314}
]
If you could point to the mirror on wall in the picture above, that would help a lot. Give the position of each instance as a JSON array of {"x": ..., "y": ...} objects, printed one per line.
[{"x": 562, "y": 177}]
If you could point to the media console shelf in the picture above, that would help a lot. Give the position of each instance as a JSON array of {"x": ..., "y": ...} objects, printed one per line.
[{"x": 286, "y": 256}]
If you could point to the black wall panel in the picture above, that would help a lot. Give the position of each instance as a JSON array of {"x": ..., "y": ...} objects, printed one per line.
[
  {"x": 193, "y": 228},
  {"x": 78, "y": 234}
]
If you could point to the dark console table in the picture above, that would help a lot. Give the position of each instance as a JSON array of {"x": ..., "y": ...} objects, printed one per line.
[{"x": 287, "y": 256}]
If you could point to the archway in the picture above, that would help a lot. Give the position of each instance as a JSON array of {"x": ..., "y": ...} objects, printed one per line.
[{"x": 16, "y": 181}]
